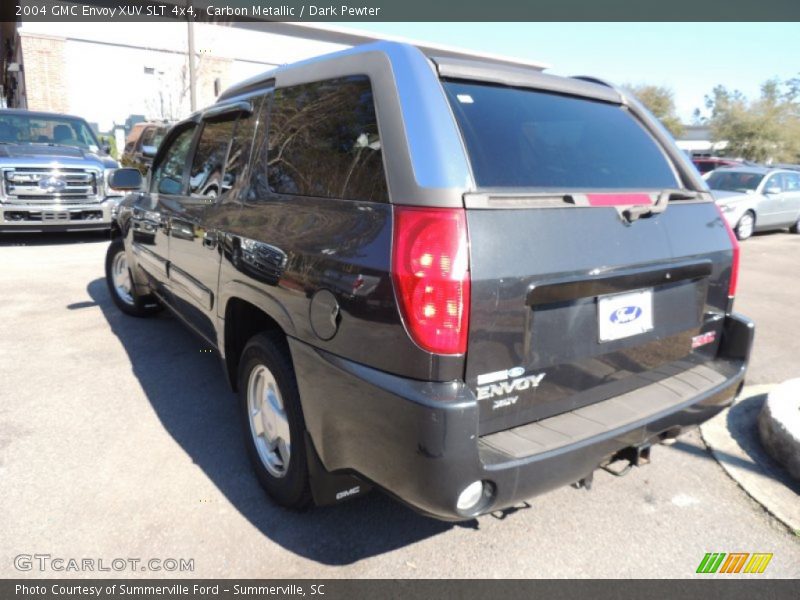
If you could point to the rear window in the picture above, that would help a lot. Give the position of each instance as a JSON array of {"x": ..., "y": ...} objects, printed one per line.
[
  {"x": 525, "y": 138},
  {"x": 705, "y": 166},
  {"x": 734, "y": 181}
]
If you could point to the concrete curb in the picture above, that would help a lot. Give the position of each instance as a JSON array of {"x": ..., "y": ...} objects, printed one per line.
[
  {"x": 732, "y": 437},
  {"x": 779, "y": 426}
]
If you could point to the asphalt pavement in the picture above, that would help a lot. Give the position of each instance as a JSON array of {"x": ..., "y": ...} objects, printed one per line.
[{"x": 119, "y": 439}]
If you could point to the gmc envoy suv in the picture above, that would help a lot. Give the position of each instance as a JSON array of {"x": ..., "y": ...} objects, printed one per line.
[{"x": 460, "y": 282}]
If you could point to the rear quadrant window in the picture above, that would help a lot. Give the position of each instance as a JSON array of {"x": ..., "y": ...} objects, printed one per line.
[
  {"x": 323, "y": 141},
  {"x": 524, "y": 138},
  {"x": 239, "y": 152},
  {"x": 208, "y": 166}
]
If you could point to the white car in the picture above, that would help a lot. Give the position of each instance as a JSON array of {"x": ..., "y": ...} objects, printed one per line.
[{"x": 757, "y": 198}]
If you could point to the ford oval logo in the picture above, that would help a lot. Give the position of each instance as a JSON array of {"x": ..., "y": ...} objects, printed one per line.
[
  {"x": 52, "y": 184},
  {"x": 626, "y": 314}
]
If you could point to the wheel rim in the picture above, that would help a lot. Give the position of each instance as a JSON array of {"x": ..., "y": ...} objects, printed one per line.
[
  {"x": 746, "y": 226},
  {"x": 121, "y": 277},
  {"x": 269, "y": 424}
]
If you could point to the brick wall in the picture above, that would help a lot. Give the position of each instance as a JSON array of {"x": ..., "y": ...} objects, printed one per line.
[{"x": 45, "y": 79}]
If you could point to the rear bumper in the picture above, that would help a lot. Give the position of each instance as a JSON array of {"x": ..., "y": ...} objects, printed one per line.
[
  {"x": 419, "y": 441},
  {"x": 23, "y": 218}
]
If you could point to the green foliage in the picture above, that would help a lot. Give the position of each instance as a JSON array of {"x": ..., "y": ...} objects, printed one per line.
[
  {"x": 660, "y": 101},
  {"x": 112, "y": 142},
  {"x": 764, "y": 129}
]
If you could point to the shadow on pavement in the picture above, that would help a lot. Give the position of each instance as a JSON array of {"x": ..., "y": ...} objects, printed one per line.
[
  {"x": 187, "y": 388},
  {"x": 742, "y": 425},
  {"x": 53, "y": 239},
  {"x": 742, "y": 422}
]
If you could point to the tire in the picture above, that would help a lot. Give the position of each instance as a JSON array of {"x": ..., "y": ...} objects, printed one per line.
[
  {"x": 121, "y": 286},
  {"x": 270, "y": 409},
  {"x": 796, "y": 227},
  {"x": 744, "y": 228}
]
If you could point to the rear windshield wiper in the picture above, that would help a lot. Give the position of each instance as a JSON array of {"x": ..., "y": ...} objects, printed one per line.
[{"x": 660, "y": 205}]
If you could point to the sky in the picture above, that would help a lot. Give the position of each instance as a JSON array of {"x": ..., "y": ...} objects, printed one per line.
[{"x": 690, "y": 58}]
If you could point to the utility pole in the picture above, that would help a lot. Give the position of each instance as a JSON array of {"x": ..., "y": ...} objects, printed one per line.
[{"x": 192, "y": 74}]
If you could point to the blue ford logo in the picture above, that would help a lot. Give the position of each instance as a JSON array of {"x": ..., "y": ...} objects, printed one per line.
[
  {"x": 626, "y": 314},
  {"x": 52, "y": 184}
]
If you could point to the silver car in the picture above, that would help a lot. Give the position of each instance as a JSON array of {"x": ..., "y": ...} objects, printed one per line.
[{"x": 757, "y": 198}]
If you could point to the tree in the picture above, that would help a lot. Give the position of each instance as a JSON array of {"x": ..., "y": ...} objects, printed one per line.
[
  {"x": 765, "y": 129},
  {"x": 660, "y": 101},
  {"x": 112, "y": 144}
]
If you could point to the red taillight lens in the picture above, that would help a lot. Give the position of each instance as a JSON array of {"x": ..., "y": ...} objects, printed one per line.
[
  {"x": 430, "y": 268},
  {"x": 736, "y": 250}
]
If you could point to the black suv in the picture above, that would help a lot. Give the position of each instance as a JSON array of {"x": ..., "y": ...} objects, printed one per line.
[{"x": 460, "y": 282}]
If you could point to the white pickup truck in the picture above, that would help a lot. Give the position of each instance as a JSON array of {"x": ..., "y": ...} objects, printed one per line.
[{"x": 54, "y": 174}]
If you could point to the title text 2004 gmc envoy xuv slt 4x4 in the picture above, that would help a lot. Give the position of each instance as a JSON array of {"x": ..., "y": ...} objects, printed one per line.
[{"x": 464, "y": 283}]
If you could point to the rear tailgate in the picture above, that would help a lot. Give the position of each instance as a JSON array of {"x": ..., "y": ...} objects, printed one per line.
[
  {"x": 580, "y": 290},
  {"x": 534, "y": 345}
]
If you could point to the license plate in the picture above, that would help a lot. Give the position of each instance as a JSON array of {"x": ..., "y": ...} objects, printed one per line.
[
  {"x": 55, "y": 216},
  {"x": 624, "y": 315}
]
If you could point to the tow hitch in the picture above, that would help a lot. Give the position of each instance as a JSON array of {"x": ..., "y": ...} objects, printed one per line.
[
  {"x": 630, "y": 457},
  {"x": 635, "y": 457}
]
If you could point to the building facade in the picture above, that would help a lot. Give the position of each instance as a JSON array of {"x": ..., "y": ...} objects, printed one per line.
[{"x": 117, "y": 74}]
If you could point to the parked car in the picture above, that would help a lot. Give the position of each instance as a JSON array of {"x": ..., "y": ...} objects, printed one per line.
[
  {"x": 54, "y": 174},
  {"x": 463, "y": 283},
  {"x": 788, "y": 166},
  {"x": 706, "y": 164},
  {"x": 142, "y": 144},
  {"x": 757, "y": 198}
]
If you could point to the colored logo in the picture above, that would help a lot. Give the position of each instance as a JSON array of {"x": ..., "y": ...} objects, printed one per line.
[
  {"x": 626, "y": 314},
  {"x": 735, "y": 562}
]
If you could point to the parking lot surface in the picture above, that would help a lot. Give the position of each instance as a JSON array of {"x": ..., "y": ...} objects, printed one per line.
[{"x": 119, "y": 438}]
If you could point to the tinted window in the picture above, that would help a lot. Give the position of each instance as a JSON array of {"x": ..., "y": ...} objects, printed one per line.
[
  {"x": 208, "y": 165},
  {"x": 524, "y": 138},
  {"x": 168, "y": 175},
  {"x": 323, "y": 141},
  {"x": 239, "y": 153},
  {"x": 734, "y": 181},
  {"x": 258, "y": 186},
  {"x": 152, "y": 136},
  {"x": 705, "y": 166}
]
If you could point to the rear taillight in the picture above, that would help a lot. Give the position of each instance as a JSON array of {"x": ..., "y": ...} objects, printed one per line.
[
  {"x": 735, "y": 264},
  {"x": 430, "y": 268}
]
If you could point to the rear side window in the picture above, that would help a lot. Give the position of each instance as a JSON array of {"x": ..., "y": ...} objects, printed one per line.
[
  {"x": 524, "y": 138},
  {"x": 208, "y": 166},
  {"x": 791, "y": 182},
  {"x": 323, "y": 141},
  {"x": 239, "y": 153}
]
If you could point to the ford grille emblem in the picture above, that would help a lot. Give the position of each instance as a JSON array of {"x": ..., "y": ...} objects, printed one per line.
[{"x": 52, "y": 184}]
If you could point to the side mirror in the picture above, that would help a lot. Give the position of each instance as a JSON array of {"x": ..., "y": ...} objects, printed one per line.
[
  {"x": 149, "y": 151},
  {"x": 772, "y": 190},
  {"x": 105, "y": 148},
  {"x": 125, "y": 179}
]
